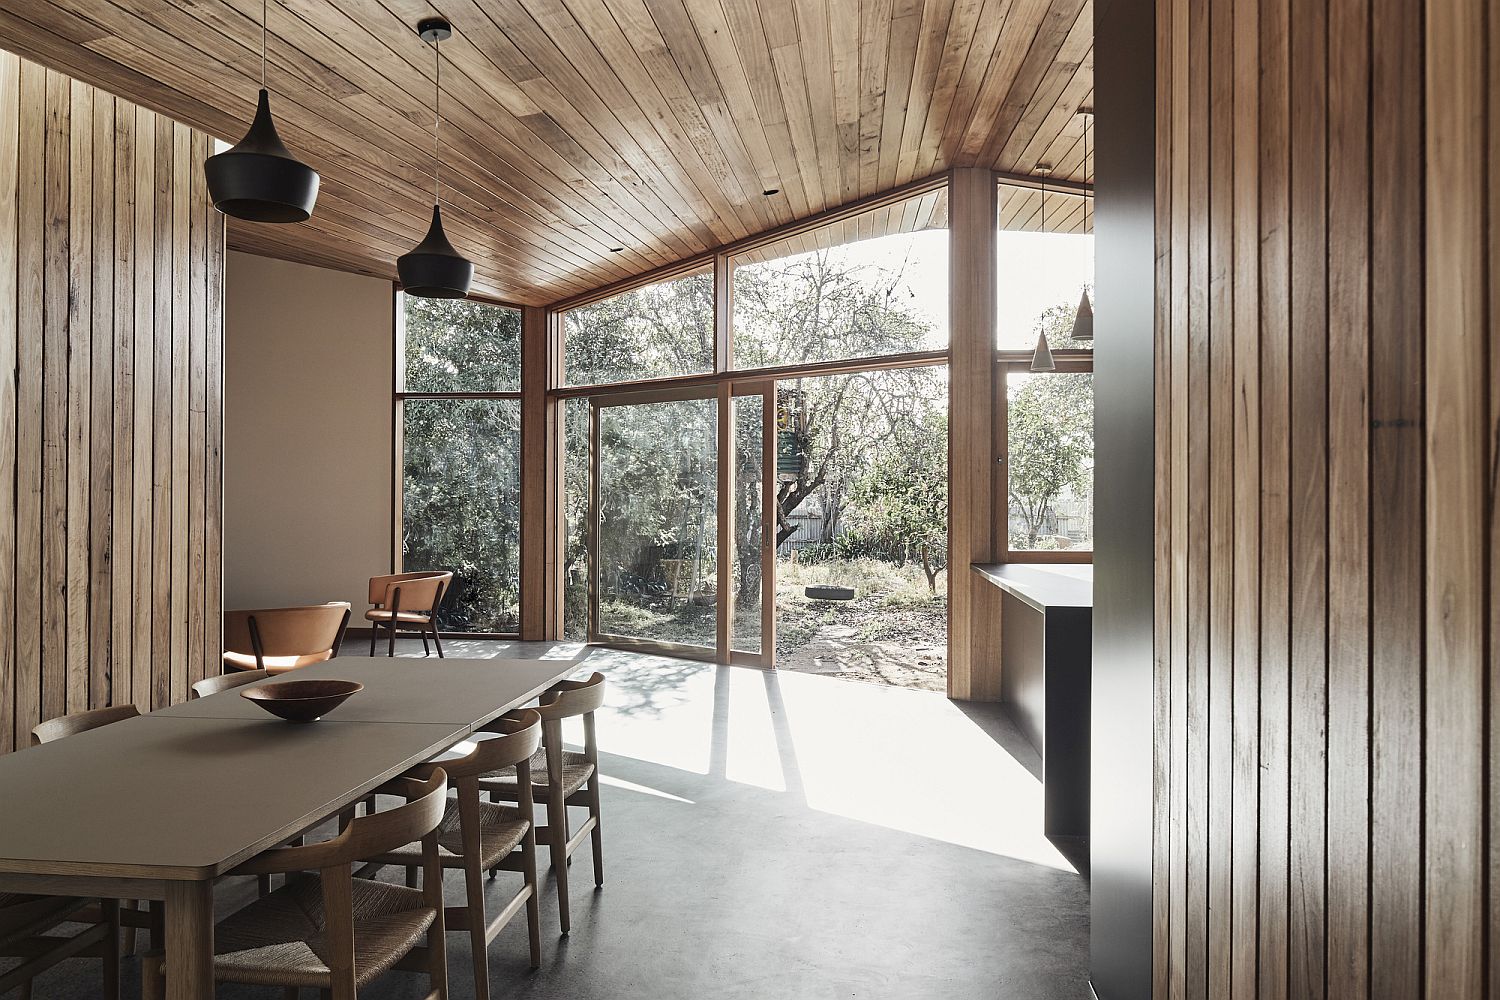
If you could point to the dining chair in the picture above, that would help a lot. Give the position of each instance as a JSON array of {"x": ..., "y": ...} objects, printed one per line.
[
  {"x": 280, "y": 639},
  {"x": 563, "y": 778},
  {"x": 225, "y": 682},
  {"x": 27, "y": 924},
  {"x": 80, "y": 722},
  {"x": 476, "y": 835},
  {"x": 407, "y": 601},
  {"x": 125, "y": 912},
  {"x": 330, "y": 931}
]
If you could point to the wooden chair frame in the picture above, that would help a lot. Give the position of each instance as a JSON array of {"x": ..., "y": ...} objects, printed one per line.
[
  {"x": 39, "y": 950},
  {"x": 565, "y": 700},
  {"x": 517, "y": 735},
  {"x": 334, "y": 860}
]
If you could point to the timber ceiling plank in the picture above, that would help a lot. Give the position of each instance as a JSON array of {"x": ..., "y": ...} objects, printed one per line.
[{"x": 585, "y": 141}]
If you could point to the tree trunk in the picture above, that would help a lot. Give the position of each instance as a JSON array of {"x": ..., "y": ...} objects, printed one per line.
[{"x": 927, "y": 568}]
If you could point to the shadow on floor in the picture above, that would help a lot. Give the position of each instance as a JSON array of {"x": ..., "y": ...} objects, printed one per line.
[{"x": 778, "y": 837}]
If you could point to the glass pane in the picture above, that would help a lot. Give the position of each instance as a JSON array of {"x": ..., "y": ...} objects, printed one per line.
[
  {"x": 575, "y": 568},
  {"x": 658, "y": 521},
  {"x": 1044, "y": 262},
  {"x": 458, "y": 345},
  {"x": 873, "y": 285},
  {"x": 862, "y": 499},
  {"x": 1050, "y": 461},
  {"x": 651, "y": 332},
  {"x": 749, "y": 494},
  {"x": 461, "y": 506}
]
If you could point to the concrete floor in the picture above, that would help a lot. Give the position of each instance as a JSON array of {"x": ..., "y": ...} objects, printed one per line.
[{"x": 776, "y": 837}]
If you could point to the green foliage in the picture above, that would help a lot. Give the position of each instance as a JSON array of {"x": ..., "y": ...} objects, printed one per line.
[
  {"x": 899, "y": 503},
  {"x": 1050, "y": 424},
  {"x": 652, "y": 332},
  {"x": 461, "y": 505},
  {"x": 458, "y": 345}
]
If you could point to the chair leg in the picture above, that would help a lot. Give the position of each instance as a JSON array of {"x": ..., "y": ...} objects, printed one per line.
[
  {"x": 290, "y": 993},
  {"x": 533, "y": 903},
  {"x": 127, "y": 939},
  {"x": 557, "y": 826},
  {"x": 598, "y": 832},
  {"x": 111, "y": 909},
  {"x": 474, "y": 887},
  {"x": 391, "y": 650},
  {"x": 426, "y": 650},
  {"x": 436, "y": 639},
  {"x": 374, "y": 634}
]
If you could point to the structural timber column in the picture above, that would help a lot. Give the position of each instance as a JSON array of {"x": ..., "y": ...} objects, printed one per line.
[
  {"x": 539, "y": 475},
  {"x": 973, "y": 614}
]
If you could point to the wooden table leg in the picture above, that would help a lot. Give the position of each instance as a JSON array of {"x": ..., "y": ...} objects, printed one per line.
[{"x": 190, "y": 940}]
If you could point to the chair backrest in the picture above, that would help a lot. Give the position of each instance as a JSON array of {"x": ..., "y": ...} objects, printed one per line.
[
  {"x": 81, "y": 722},
  {"x": 285, "y": 631},
  {"x": 522, "y": 736},
  {"x": 223, "y": 682},
  {"x": 418, "y": 591},
  {"x": 365, "y": 836},
  {"x": 568, "y": 699}
]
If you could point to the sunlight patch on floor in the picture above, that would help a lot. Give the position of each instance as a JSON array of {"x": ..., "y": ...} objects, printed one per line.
[{"x": 901, "y": 759}]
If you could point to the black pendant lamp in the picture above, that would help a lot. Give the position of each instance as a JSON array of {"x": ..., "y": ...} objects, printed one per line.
[
  {"x": 1083, "y": 321},
  {"x": 433, "y": 269},
  {"x": 258, "y": 179}
]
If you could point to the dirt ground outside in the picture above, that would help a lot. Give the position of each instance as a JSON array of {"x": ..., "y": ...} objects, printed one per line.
[{"x": 894, "y": 631}]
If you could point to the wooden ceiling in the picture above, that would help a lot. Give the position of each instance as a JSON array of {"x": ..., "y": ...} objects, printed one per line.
[{"x": 574, "y": 127}]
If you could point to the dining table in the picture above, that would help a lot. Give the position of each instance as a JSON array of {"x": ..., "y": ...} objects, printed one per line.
[{"x": 158, "y": 806}]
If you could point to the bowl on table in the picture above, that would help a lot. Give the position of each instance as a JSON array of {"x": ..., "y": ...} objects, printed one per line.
[{"x": 301, "y": 701}]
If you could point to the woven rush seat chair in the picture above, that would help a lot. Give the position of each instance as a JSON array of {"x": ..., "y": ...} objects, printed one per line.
[
  {"x": 26, "y": 923},
  {"x": 561, "y": 778},
  {"x": 476, "y": 835},
  {"x": 333, "y": 932},
  {"x": 407, "y": 601},
  {"x": 280, "y": 639}
]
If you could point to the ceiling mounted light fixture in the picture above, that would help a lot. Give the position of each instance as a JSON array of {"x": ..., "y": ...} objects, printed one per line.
[
  {"x": 433, "y": 269},
  {"x": 1083, "y": 321},
  {"x": 1041, "y": 358},
  {"x": 258, "y": 179}
]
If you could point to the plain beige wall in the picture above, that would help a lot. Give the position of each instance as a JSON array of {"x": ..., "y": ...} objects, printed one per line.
[{"x": 308, "y": 374}]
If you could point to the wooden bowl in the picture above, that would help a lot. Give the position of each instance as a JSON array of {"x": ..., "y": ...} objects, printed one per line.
[{"x": 301, "y": 701}]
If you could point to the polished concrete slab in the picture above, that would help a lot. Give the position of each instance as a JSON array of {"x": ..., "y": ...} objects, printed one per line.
[{"x": 782, "y": 836}]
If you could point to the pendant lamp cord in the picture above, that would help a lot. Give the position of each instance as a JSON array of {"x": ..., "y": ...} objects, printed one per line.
[
  {"x": 437, "y": 117},
  {"x": 262, "y": 44}
]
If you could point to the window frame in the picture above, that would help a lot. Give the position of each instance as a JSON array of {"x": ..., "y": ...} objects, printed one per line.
[
  {"x": 1071, "y": 361},
  {"x": 399, "y": 396}
]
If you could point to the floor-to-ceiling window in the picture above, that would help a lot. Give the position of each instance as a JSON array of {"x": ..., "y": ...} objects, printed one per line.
[
  {"x": 458, "y": 420},
  {"x": 755, "y": 451},
  {"x": 1045, "y": 434}
]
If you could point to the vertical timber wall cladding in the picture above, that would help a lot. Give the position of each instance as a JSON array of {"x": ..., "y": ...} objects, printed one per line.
[
  {"x": 1327, "y": 448},
  {"x": 111, "y": 260}
]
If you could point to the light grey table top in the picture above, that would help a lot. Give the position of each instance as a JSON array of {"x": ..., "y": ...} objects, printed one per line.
[{"x": 191, "y": 791}]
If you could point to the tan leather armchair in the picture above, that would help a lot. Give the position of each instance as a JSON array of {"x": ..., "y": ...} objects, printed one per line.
[
  {"x": 407, "y": 601},
  {"x": 280, "y": 639}
]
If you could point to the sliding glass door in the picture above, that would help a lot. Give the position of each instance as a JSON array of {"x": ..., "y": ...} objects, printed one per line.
[{"x": 666, "y": 570}]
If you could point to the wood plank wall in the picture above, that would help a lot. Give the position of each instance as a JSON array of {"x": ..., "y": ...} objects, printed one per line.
[
  {"x": 1328, "y": 386},
  {"x": 111, "y": 306}
]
